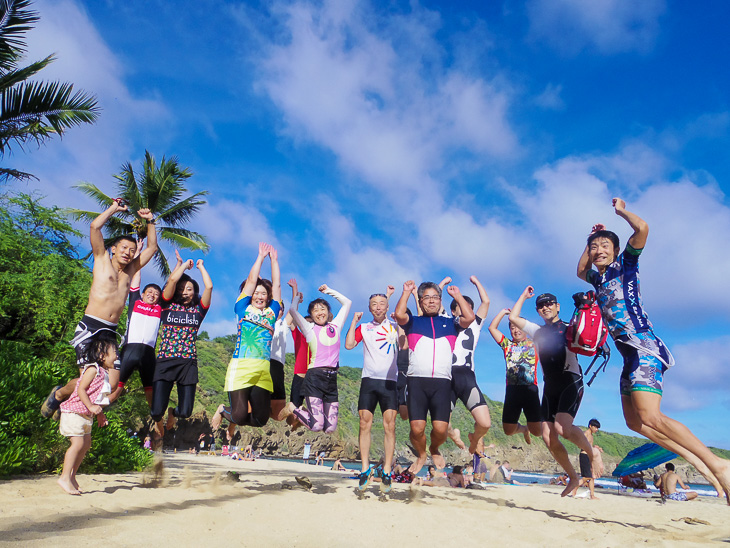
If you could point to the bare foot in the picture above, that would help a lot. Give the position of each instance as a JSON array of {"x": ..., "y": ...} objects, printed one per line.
[
  {"x": 438, "y": 460},
  {"x": 473, "y": 442},
  {"x": 231, "y": 431},
  {"x": 526, "y": 434},
  {"x": 594, "y": 497},
  {"x": 455, "y": 435},
  {"x": 67, "y": 486},
  {"x": 724, "y": 478},
  {"x": 171, "y": 419},
  {"x": 215, "y": 422},
  {"x": 417, "y": 465},
  {"x": 572, "y": 487}
]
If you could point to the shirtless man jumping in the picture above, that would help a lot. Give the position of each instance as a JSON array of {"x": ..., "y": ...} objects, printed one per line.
[{"x": 112, "y": 277}]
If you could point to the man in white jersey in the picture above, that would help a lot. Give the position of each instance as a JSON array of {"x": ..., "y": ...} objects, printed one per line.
[{"x": 379, "y": 381}]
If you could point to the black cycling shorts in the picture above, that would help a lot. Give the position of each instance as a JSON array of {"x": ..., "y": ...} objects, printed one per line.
[
  {"x": 429, "y": 396},
  {"x": 141, "y": 357},
  {"x": 277, "y": 376},
  {"x": 562, "y": 395},
  {"x": 464, "y": 387},
  {"x": 374, "y": 392},
  {"x": 296, "y": 396},
  {"x": 401, "y": 386},
  {"x": 321, "y": 383},
  {"x": 519, "y": 398}
]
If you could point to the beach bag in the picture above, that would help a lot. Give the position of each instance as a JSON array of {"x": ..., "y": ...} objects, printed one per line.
[{"x": 586, "y": 332}]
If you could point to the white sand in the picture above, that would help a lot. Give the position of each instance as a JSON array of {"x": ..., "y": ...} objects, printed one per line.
[{"x": 195, "y": 506}]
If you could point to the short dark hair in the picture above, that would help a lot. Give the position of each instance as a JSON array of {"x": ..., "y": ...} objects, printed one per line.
[
  {"x": 98, "y": 347},
  {"x": 458, "y": 469},
  {"x": 594, "y": 422},
  {"x": 454, "y": 304},
  {"x": 127, "y": 237},
  {"x": 608, "y": 235},
  {"x": 319, "y": 301},
  {"x": 152, "y": 286},
  {"x": 669, "y": 466},
  {"x": 267, "y": 285},
  {"x": 177, "y": 298}
]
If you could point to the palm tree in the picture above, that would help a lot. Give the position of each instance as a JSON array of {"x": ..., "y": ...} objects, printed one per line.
[
  {"x": 159, "y": 189},
  {"x": 32, "y": 111}
]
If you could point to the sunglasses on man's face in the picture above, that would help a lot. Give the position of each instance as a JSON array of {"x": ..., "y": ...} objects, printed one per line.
[{"x": 545, "y": 305}]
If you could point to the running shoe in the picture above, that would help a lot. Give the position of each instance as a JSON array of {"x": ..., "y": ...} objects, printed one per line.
[
  {"x": 387, "y": 484},
  {"x": 364, "y": 478},
  {"x": 51, "y": 405}
]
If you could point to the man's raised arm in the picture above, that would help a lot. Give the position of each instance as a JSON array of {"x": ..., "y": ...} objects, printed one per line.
[
  {"x": 401, "y": 309},
  {"x": 149, "y": 252},
  {"x": 641, "y": 229},
  {"x": 514, "y": 314},
  {"x": 97, "y": 238}
]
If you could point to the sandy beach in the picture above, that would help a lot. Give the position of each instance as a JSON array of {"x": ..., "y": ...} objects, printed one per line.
[{"x": 195, "y": 503}]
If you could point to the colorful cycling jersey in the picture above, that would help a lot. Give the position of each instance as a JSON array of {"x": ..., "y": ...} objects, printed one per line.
[
  {"x": 179, "y": 332},
  {"x": 278, "y": 343},
  {"x": 431, "y": 341},
  {"x": 618, "y": 293},
  {"x": 552, "y": 349},
  {"x": 381, "y": 349},
  {"x": 466, "y": 343},
  {"x": 521, "y": 361},
  {"x": 255, "y": 328},
  {"x": 323, "y": 340},
  {"x": 301, "y": 352},
  {"x": 144, "y": 320}
]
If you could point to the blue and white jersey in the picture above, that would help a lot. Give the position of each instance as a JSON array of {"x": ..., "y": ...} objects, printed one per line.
[{"x": 619, "y": 296}]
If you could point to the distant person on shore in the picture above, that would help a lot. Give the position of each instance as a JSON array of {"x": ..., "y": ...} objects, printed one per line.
[
  {"x": 431, "y": 340},
  {"x": 249, "y": 380},
  {"x": 111, "y": 279},
  {"x": 479, "y": 462},
  {"x": 320, "y": 459},
  {"x": 503, "y": 473},
  {"x": 521, "y": 393},
  {"x": 667, "y": 485},
  {"x": 493, "y": 470},
  {"x": 323, "y": 337},
  {"x": 586, "y": 469},
  {"x": 306, "y": 452},
  {"x": 378, "y": 386},
  {"x": 563, "y": 388},
  {"x": 183, "y": 311},
  {"x": 90, "y": 394},
  {"x": 646, "y": 357},
  {"x": 338, "y": 466}
]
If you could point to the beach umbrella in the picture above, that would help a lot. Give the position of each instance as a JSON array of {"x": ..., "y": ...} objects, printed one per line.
[{"x": 648, "y": 455}]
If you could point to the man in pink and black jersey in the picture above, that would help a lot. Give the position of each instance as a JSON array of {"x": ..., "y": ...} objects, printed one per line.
[
  {"x": 431, "y": 340},
  {"x": 379, "y": 381}
]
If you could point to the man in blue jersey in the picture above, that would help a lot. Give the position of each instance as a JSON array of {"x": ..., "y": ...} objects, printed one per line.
[
  {"x": 431, "y": 340},
  {"x": 646, "y": 358}
]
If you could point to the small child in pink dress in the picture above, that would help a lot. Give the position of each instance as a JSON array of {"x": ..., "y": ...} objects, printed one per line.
[{"x": 77, "y": 412}]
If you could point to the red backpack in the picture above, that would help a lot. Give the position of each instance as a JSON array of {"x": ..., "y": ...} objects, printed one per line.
[{"x": 586, "y": 332}]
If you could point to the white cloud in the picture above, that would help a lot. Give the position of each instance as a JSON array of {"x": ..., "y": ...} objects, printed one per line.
[
  {"x": 608, "y": 26},
  {"x": 92, "y": 153},
  {"x": 550, "y": 97},
  {"x": 700, "y": 376}
]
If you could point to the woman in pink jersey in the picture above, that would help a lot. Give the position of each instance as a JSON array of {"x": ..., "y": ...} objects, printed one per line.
[
  {"x": 77, "y": 412},
  {"x": 323, "y": 337}
]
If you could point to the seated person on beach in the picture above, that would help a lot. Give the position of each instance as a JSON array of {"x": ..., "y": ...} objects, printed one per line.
[
  {"x": 456, "y": 477},
  {"x": 635, "y": 480},
  {"x": 493, "y": 470},
  {"x": 560, "y": 480},
  {"x": 503, "y": 474},
  {"x": 667, "y": 485},
  {"x": 337, "y": 465},
  {"x": 434, "y": 478}
]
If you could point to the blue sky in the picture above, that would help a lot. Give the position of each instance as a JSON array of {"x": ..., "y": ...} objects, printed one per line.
[{"x": 375, "y": 142}]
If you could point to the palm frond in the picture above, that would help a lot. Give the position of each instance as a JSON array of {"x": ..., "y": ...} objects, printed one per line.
[
  {"x": 15, "y": 21},
  {"x": 163, "y": 266},
  {"x": 127, "y": 187},
  {"x": 93, "y": 191},
  {"x": 33, "y": 111},
  {"x": 186, "y": 239},
  {"x": 7, "y": 173},
  {"x": 14, "y": 76},
  {"x": 185, "y": 210}
]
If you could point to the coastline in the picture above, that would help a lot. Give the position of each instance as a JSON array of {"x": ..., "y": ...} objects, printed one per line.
[{"x": 195, "y": 502}]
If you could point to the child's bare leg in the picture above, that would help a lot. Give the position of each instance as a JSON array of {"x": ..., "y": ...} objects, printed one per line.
[
  {"x": 79, "y": 460},
  {"x": 69, "y": 461}
]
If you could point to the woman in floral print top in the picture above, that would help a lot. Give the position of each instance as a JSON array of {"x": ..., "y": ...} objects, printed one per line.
[{"x": 183, "y": 310}]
